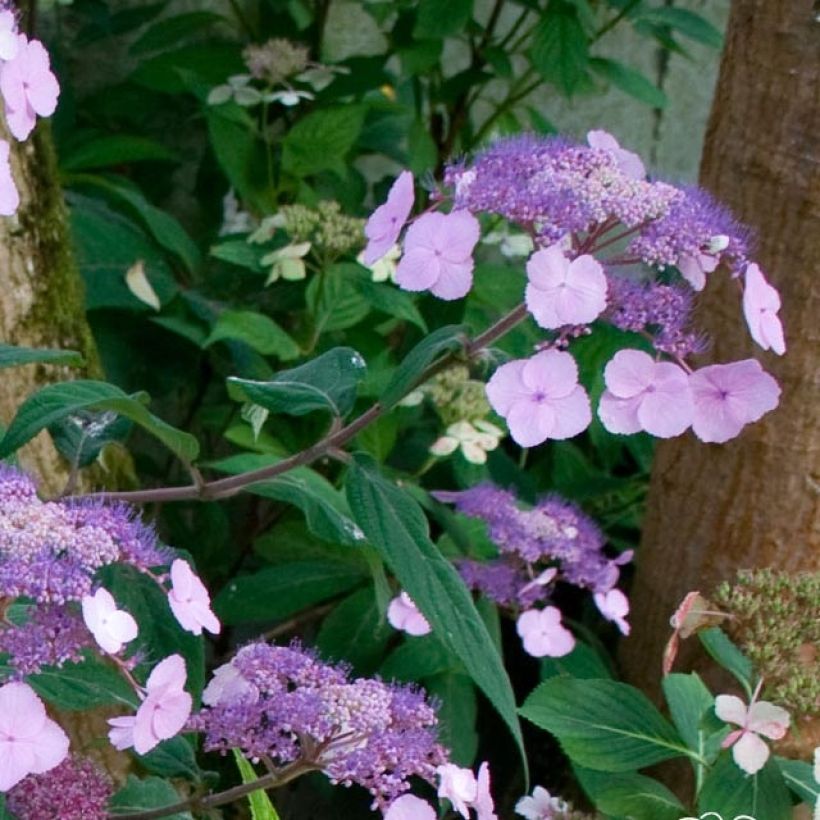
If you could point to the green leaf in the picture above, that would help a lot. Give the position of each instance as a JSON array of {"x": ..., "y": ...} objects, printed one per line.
[
  {"x": 334, "y": 300},
  {"x": 394, "y": 523},
  {"x": 718, "y": 644},
  {"x": 170, "y": 31},
  {"x": 583, "y": 662},
  {"x": 327, "y": 382},
  {"x": 560, "y": 51},
  {"x": 173, "y": 758},
  {"x": 602, "y": 724},
  {"x": 630, "y": 82},
  {"x": 406, "y": 375},
  {"x": 421, "y": 148},
  {"x": 688, "y": 700},
  {"x": 417, "y": 659},
  {"x": 686, "y": 22},
  {"x": 277, "y": 592},
  {"x": 729, "y": 791},
  {"x": 201, "y": 65},
  {"x": 240, "y": 253},
  {"x": 114, "y": 149},
  {"x": 57, "y": 401},
  {"x": 148, "y": 793},
  {"x": 12, "y": 356},
  {"x": 634, "y": 796},
  {"x": 799, "y": 777},
  {"x": 321, "y": 140},
  {"x": 390, "y": 300},
  {"x": 457, "y": 715},
  {"x": 436, "y": 19},
  {"x": 261, "y": 807},
  {"x": 85, "y": 685},
  {"x": 82, "y": 437},
  {"x": 257, "y": 331}
]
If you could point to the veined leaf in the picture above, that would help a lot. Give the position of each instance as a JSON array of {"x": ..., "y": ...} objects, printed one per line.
[{"x": 11, "y": 356}]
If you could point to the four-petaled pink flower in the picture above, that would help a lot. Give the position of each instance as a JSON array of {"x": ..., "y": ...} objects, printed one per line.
[
  {"x": 161, "y": 715},
  {"x": 111, "y": 627},
  {"x": 403, "y": 614},
  {"x": 729, "y": 396},
  {"x": 643, "y": 394},
  {"x": 543, "y": 634},
  {"x": 694, "y": 266},
  {"x": 28, "y": 87},
  {"x": 614, "y": 606},
  {"x": 438, "y": 254},
  {"x": 628, "y": 162},
  {"x": 9, "y": 197},
  {"x": 540, "y": 398},
  {"x": 760, "y": 305},
  {"x": 761, "y": 718},
  {"x": 562, "y": 291},
  {"x": 385, "y": 223},
  {"x": 30, "y": 742},
  {"x": 410, "y": 807},
  {"x": 190, "y": 601}
]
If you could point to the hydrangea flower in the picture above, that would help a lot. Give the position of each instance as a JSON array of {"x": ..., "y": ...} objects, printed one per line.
[
  {"x": 385, "y": 223},
  {"x": 694, "y": 267},
  {"x": 28, "y": 87},
  {"x": 474, "y": 439},
  {"x": 543, "y": 634},
  {"x": 30, "y": 742},
  {"x": 761, "y": 302},
  {"x": 190, "y": 601},
  {"x": 614, "y": 606},
  {"x": 749, "y": 751},
  {"x": 9, "y": 44},
  {"x": 628, "y": 161},
  {"x": 9, "y": 196},
  {"x": 112, "y": 628},
  {"x": 403, "y": 614},
  {"x": 540, "y": 398},
  {"x": 287, "y": 263},
  {"x": 410, "y": 807},
  {"x": 563, "y": 291},
  {"x": 543, "y": 806},
  {"x": 727, "y": 397},
  {"x": 643, "y": 394},
  {"x": 438, "y": 254},
  {"x": 465, "y": 791}
]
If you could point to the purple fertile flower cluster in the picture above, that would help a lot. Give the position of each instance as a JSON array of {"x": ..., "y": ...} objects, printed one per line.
[
  {"x": 75, "y": 790},
  {"x": 285, "y": 705}
]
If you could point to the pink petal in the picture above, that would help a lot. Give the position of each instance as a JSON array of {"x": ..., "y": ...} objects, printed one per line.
[
  {"x": 629, "y": 372},
  {"x": 181, "y": 579},
  {"x": 771, "y": 331},
  {"x": 483, "y": 803},
  {"x": 506, "y": 387},
  {"x": 457, "y": 237},
  {"x": 418, "y": 269},
  {"x": 122, "y": 731},
  {"x": 692, "y": 271},
  {"x": 169, "y": 673},
  {"x": 122, "y": 626},
  {"x": 551, "y": 372},
  {"x": 768, "y": 720},
  {"x": 585, "y": 292},
  {"x": 410, "y": 807},
  {"x": 750, "y": 753},
  {"x": 16, "y": 761},
  {"x": 530, "y": 423},
  {"x": 602, "y": 140},
  {"x": 758, "y": 292},
  {"x": 666, "y": 408},
  {"x": 731, "y": 709},
  {"x": 454, "y": 281},
  {"x": 22, "y": 713},
  {"x": 753, "y": 390},
  {"x": 385, "y": 224},
  {"x": 547, "y": 268},
  {"x": 619, "y": 415},
  {"x": 50, "y": 748},
  {"x": 543, "y": 307},
  {"x": 572, "y": 414},
  {"x": 172, "y": 715}
]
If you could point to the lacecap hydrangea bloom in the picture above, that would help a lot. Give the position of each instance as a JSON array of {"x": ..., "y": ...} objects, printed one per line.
[{"x": 609, "y": 245}]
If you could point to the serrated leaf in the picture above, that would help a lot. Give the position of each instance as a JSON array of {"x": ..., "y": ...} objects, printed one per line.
[
  {"x": 327, "y": 382},
  {"x": 392, "y": 301},
  {"x": 730, "y": 792},
  {"x": 257, "y": 331},
  {"x": 334, "y": 301},
  {"x": 173, "y": 758},
  {"x": 435, "y": 19},
  {"x": 457, "y": 715},
  {"x": 688, "y": 700},
  {"x": 57, "y": 401},
  {"x": 147, "y": 793},
  {"x": 718, "y": 644},
  {"x": 603, "y": 724},
  {"x": 630, "y": 81},
  {"x": 12, "y": 356},
  {"x": 560, "y": 49},
  {"x": 321, "y": 140},
  {"x": 633, "y": 796}
]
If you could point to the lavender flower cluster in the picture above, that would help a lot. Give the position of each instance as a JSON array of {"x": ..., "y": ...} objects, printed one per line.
[{"x": 284, "y": 705}]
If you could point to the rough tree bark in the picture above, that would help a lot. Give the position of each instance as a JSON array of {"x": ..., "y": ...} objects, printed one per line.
[{"x": 753, "y": 502}]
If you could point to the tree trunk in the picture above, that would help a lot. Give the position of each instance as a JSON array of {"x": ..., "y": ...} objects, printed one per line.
[{"x": 753, "y": 502}]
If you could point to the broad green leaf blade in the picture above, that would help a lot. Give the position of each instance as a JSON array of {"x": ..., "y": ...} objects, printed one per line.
[
  {"x": 148, "y": 793},
  {"x": 320, "y": 141},
  {"x": 327, "y": 382},
  {"x": 799, "y": 777},
  {"x": 688, "y": 700},
  {"x": 170, "y": 31},
  {"x": 419, "y": 658},
  {"x": 257, "y": 331},
  {"x": 436, "y": 19},
  {"x": 730, "y": 792},
  {"x": 602, "y": 724},
  {"x": 630, "y": 81},
  {"x": 334, "y": 301},
  {"x": 57, "y": 401},
  {"x": 261, "y": 807},
  {"x": 394, "y": 523},
  {"x": 11, "y": 356},
  {"x": 114, "y": 149},
  {"x": 686, "y": 22},
  {"x": 560, "y": 50},
  {"x": 630, "y": 795},
  {"x": 582, "y": 662},
  {"x": 443, "y": 340},
  {"x": 392, "y": 301},
  {"x": 457, "y": 714},
  {"x": 239, "y": 252},
  {"x": 718, "y": 644},
  {"x": 173, "y": 758},
  {"x": 277, "y": 592}
]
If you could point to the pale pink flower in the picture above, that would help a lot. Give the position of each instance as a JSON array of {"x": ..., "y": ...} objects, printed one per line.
[
  {"x": 541, "y": 805},
  {"x": 542, "y": 633},
  {"x": 614, "y": 606},
  {"x": 749, "y": 751},
  {"x": 190, "y": 601},
  {"x": 403, "y": 614},
  {"x": 30, "y": 742},
  {"x": 8, "y": 35},
  {"x": 694, "y": 267},
  {"x": 410, "y": 807},
  {"x": 161, "y": 715},
  {"x": 112, "y": 628},
  {"x": 385, "y": 223},
  {"x": 643, "y": 394},
  {"x": 438, "y": 254},
  {"x": 761, "y": 302},
  {"x": 9, "y": 197},
  {"x": 562, "y": 291},
  {"x": 540, "y": 398},
  {"x": 629, "y": 162},
  {"x": 483, "y": 802},
  {"x": 28, "y": 87},
  {"x": 459, "y": 786},
  {"x": 729, "y": 396}
]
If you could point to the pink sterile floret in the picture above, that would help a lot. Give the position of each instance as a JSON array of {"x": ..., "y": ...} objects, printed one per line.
[
  {"x": 629, "y": 162},
  {"x": 438, "y": 254},
  {"x": 30, "y": 742},
  {"x": 761, "y": 302},
  {"x": 410, "y": 807},
  {"x": 540, "y": 398},
  {"x": 9, "y": 197},
  {"x": 727, "y": 397},
  {"x": 161, "y": 715},
  {"x": 614, "y": 606},
  {"x": 385, "y": 223},
  {"x": 643, "y": 394},
  {"x": 28, "y": 87},
  {"x": 562, "y": 291},
  {"x": 403, "y": 614},
  {"x": 111, "y": 627},
  {"x": 8, "y": 35},
  {"x": 190, "y": 601},
  {"x": 543, "y": 634},
  {"x": 457, "y": 785}
]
